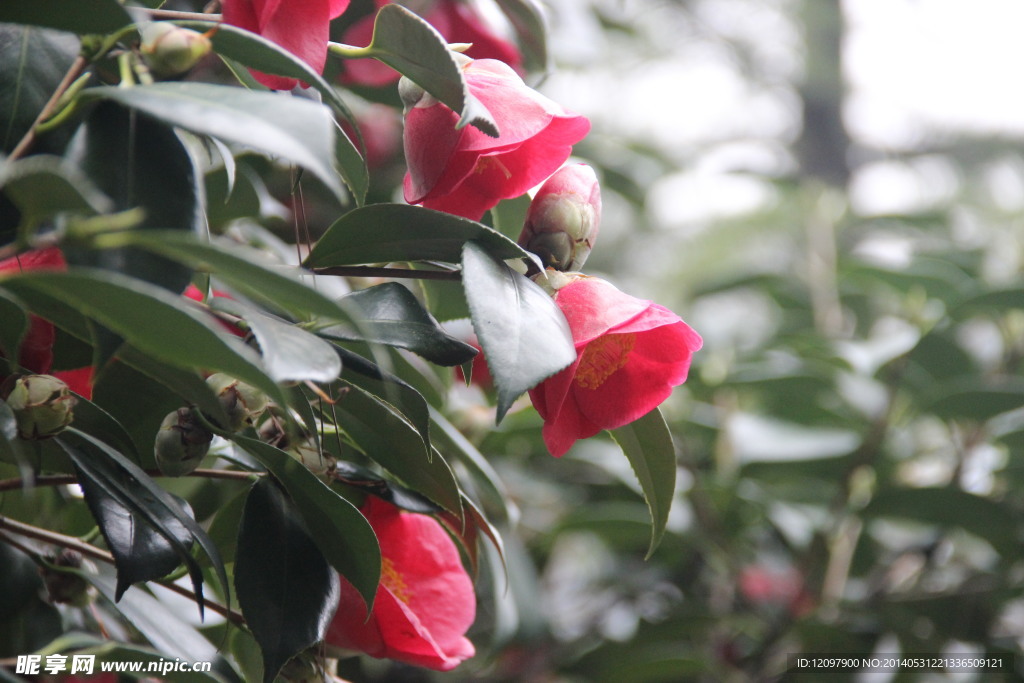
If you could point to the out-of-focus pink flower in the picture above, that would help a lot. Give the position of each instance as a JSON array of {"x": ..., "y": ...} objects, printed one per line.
[
  {"x": 457, "y": 22},
  {"x": 782, "y": 588},
  {"x": 299, "y": 26},
  {"x": 424, "y": 603},
  {"x": 465, "y": 172},
  {"x": 564, "y": 216},
  {"x": 630, "y": 353}
]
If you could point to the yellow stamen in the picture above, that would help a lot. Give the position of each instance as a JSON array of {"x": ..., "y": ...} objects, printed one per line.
[{"x": 602, "y": 358}]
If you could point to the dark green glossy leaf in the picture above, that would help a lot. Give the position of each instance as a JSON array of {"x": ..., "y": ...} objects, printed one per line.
[
  {"x": 389, "y": 439},
  {"x": 369, "y": 481},
  {"x": 344, "y": 536},
  {"x": 412, "y": 47},
  {"x": 647, "y": 443},
  {"x": 99, "y": 459},
  {"x": 290, "y": 353},
  {"x": 976, "y": 398},
  {"x": 42, "y": 186},
  {"x": 258, "y": 53},
  {"x": 381, "y": 233},
  {"x": 388, "y": 387},
  {"x": 246, "y": 269},
  {"x": 523, "y": 333},
  {"x": 138, "y": 161},
  {"x": 295, "y": 129},
  {"x": 144, "y": 533},
  {"x": 151, "y": 319},
  {"x": 33, "y": 62},
  {"x": 950, "y": 507},
  {"x": 95, "y": 16},
  {"x": 285, "y": 587},
  {"x": 389, "y": 314}
]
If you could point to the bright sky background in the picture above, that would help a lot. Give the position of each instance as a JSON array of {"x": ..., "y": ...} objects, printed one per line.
[{"x": 916, "y": 69}]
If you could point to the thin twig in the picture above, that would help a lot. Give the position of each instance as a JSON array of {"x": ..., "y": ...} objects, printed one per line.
[
  {"x": 27, "y": 140},
  {"x": 88, "y": 550},
  {"x": 61, "y": 479},
  {"x": 376, "y": 271}
]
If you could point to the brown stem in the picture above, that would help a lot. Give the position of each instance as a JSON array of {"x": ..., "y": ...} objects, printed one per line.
[
  {"x": 60, "y": 479},
  {"x": 54, "y": 538},
  {"x": 182, "y": 16},
  {"x": 375, "y": 271},
  {"x": 74, "y": 71}
]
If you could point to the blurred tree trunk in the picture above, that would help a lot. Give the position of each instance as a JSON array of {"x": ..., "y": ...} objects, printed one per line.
[{"x": 823, "y": 143}]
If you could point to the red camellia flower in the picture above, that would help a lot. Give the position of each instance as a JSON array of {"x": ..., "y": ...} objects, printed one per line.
[
  {"x": 299, "y": 26},
  {"x": 457, "y": 21},
  {"x": 465, "y": 172},
  {"x": 630, "y": 353},
  {"x": 425, "y": 600},
  {"x": 36, "y": 353}
]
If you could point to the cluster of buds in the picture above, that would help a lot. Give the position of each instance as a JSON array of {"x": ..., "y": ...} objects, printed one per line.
[
  {"x": 184, "y": 439},
  {"x": 564, "y": 216},
  {"x": 42, "y": 405},
  {"x": 296, "y": 442}
]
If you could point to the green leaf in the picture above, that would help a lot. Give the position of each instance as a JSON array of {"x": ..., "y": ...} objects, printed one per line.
[
  {"x": 388, "y": 387},
  {"x": 43, "y": 186},
  {"x": 344, "y": 536},
  {"x": 647, "y": 444},
  {"x": 95, "y": 16},
  {"x": 151, "y": 319},
  {"x": 101, "y": 459},
  {"x": 381, "y": 233},
  {"x": 247, "y": 270},
  {"x": 523, "y": 333},
  {"x": 390, "y": 440},
  {"x": 162, "y": 627},
  {"x": 415, "y": 49},
  {"x": 33, "y": 62},
  {"x": 290, "y": 353},
  {"x": 527, "y": 19},
  {"x": 141, "y": 552},
  {"x": 389, "y": 314},
  {"x": 138, "y": 161},
  {"x": 256, "y": 52},
  {"x": 28, "y": 622},
  {"x": 144, "y": 533},
  {"x": 995, "y": 522},
  {"x": 295, "y": 129},
  {"x": 285, "y": 587},
  {"x": 975, "y": 397},
  {"x": 15, "y": 326}
]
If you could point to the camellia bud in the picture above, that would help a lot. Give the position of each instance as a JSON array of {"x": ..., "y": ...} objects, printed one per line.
[
  {"x": 563, "y": 219},
  {"x": 42, "y": 404},
  {"x": 65, "y": 588},
  {"x": 181, "y": 443},
  {"x": 171, "y": 50},
  {"x": 241, "y": 402}
]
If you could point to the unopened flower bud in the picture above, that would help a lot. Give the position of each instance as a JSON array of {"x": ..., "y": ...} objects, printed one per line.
[
  {"x": 171, "y": 50},
  {"x": 65, "y": 588},
  {"x": 242, "y": 402},
  {"x": 42, "y": 404},
  {"x": 563, "y": 219},
  {"x": 181, "y": 443},
  {"x": 316, "y": 460}
]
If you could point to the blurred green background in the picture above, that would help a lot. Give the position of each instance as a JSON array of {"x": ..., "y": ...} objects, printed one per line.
[{"x": 830, "y": 193}]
